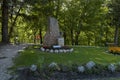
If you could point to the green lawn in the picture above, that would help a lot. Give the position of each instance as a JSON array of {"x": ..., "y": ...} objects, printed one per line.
[{"x": 80, "y": 55}]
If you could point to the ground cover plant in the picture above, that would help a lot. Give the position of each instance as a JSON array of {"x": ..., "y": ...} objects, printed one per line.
[{"x": 68, "y": 62}]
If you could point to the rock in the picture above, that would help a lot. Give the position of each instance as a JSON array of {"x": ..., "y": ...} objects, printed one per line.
[
  {"x": 64, "y": 51},
  {"x": 71, "y": 50},
  {"x": 51, "y": 50},
  {"x": 47, "y": 50},
  {"x": 52, "y": 33},
  {"x": 20, "y": 51},
  {"x": 56, "y": 51},
  {"x": 60, "y": 50},
  {"x": 42, "y": 49}
]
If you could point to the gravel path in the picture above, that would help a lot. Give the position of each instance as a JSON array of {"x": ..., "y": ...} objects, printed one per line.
[{"x": 8, "y": 52}]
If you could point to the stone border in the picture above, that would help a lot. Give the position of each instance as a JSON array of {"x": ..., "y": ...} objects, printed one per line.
[{"x": 56, "y": 50}]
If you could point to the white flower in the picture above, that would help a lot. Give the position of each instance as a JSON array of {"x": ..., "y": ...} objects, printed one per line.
[
  {"x": 33, "y": 67},
  {"x": 90, "y": 64},
  {"x": 81, "y": 69},
  {"x": 53, "y": 64},
  {"x": 111, "y": 67},
  {"x": 42, "y": 49}
]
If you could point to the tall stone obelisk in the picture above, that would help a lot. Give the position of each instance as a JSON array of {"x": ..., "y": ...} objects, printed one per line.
[{"x": 52, "y": 34}]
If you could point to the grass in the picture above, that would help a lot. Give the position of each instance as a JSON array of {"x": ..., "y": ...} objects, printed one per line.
[{"x": 81, "y": 55}]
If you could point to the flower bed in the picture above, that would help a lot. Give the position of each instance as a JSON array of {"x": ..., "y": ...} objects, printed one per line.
[
  {"x": 114, "y": 50},
  {"x": 56, "y": 49}
]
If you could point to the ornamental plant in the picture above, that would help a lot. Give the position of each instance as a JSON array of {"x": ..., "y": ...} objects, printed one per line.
[
  {"x": 90, "y": 65},
  {"x": 81, "y": 69},
  {"x": 33, "y": 67},
  {"x": 53, "y": 66},
  {"x": 112, "y": 67}
]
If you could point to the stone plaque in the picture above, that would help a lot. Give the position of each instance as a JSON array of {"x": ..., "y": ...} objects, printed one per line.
[{"x": 61, "y": 41}]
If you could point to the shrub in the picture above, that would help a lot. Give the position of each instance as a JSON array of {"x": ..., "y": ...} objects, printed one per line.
[
  {"x": 90, "y": 64},
  {"x": 53, "y": 66},
  {"x": 112, "y": 67},
  {"x": 81, "y": 69},
  {"x": 33, "y": 67}
]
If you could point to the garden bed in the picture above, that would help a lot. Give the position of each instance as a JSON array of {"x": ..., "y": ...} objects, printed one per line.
[
  {"x": 56, "y": 49},
  {"x": 65, "y": 73}
]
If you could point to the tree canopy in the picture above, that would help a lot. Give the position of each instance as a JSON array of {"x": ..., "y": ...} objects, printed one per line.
[{"x": 83, "y": 22}]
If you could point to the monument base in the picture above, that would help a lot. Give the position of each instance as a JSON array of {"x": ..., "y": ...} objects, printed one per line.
[{"x": 57, "y": 49}]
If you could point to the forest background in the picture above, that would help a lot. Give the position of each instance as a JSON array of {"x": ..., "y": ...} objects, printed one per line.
[{"x": 83, "y": 22}]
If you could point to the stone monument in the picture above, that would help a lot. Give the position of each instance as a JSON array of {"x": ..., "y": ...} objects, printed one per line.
[
  {"x": 53, "y": 40},
  {"x": 52, "y": 34}
]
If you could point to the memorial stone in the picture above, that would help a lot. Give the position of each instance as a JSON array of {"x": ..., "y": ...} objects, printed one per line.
[{"x": 52, "y": 34}]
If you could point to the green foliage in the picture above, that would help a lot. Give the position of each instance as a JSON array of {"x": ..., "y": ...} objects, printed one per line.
[
  {"x": 114, "y": 11},
  {"x": 97, "y": 69},
  {"x": 85, "y": 22},
  {"x": 83, "y": 16}
]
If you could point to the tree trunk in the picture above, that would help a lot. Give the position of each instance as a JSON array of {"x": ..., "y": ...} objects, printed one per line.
[
  {"x": 89, "y": 41},
  {"x": 34, "y": 38},
  {"x": 77, "y": 38},
  {"x": 72, "y": 39},
  {"x": 64, "y": 35},
  {"x": 5, "y": 38},
  {"x": 14, "y": 22},
  {"x": 40, "y": 34},
  {"x": 116, "y": 35}
]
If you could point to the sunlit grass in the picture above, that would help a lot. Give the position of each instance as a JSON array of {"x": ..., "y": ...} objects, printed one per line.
[{"x": 80, "y": 55}]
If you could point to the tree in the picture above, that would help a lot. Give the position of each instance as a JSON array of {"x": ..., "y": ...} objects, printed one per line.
[
  {"x": 5, "y": 38},
  {"x": 114, "y": 11},
  {"x": 81, "y": 21},
  {"x": 7, "y": 10},
  {"x": 14, "y": 15},
  {"x": 82, "y": 15}
]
